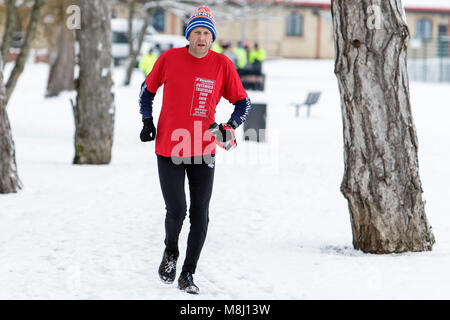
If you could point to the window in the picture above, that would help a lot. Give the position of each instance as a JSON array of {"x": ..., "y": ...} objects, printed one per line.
[
  {"x": 294, "y": 25},
  {"x": 442, "y": 31},
  {"x": 119, "y": 37},
  {"x": 158, "y": 18},
  {"x": 423, "y": 29}
]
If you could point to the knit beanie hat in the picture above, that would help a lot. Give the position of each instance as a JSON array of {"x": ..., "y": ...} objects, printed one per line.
[{"x": 203, "y": 17}]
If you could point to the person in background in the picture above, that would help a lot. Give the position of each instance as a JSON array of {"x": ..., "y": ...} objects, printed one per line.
[
  {"x": 256, "y": 58},
  {"x": 247, "y": 49},
  {"x": 217, "y": 47},
  {"x": 147, "y": 62},
  {"x": 228, "y": 52},
  {"x": 158, "y": 49},
  {"x": 241, "y": 58}
]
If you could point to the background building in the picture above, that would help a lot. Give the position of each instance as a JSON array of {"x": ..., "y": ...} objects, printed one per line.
[{"x": 290, "y": 29}]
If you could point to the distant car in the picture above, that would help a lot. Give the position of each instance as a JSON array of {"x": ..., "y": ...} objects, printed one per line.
[
  {"x": 152, "y": 40},
  {"x": 120, "y": 50},
  {"x": 119, "y": 28},
  {"x": 162, "y": 42}
]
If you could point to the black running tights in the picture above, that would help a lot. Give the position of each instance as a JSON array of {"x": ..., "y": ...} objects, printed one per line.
[{"x": 172, "y": 180}]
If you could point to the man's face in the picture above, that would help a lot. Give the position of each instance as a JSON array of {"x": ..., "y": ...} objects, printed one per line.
[{"x": 200, "y": 40}]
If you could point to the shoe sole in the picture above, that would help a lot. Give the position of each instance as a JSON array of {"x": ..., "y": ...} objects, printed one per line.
[
  {"x": 190, "y": 291},
  {"x": 166, "y": 281}
]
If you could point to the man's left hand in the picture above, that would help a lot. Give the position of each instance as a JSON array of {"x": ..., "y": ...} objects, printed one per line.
[{"x": 224, "y": 134}]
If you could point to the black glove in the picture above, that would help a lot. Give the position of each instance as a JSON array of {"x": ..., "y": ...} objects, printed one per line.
[{"x": 148, "y": 133}]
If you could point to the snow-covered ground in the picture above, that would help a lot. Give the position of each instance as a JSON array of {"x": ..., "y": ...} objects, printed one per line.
[{"x": 279, "y": 226}]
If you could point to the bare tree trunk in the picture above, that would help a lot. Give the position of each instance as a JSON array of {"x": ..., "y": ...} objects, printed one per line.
[
  {"x": 25, "y": 50},
  {"x": 11, "y": 16},
  {"x": 130, "y": 67},
  {"x": 134, "y": 55},
  {"x": 381, "y": 180},
  {"x": 94, "y": 112},
  {"x": 134, "y": 52},
  {"x": 131, "y": 13},
  {"x": 9, "y": 179},
  {"x": 61, "y": 75}
]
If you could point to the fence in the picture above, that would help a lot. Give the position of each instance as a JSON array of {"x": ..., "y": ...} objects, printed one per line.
[{"x": 429, "y": 60}]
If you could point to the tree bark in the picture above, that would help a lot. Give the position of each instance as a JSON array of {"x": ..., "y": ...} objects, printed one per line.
[
  {"x": 25, "y": 50},
  {"x": 94, "y": 111},
  {"x": 131, "y": 13},
  {"x": 61, "y": 76},
  {"x": 130, "y": 66},
  {"x": 11, "y": 16},
  {"x": 9, "y": 179},
  {"x": 381, "y": 180},
  {"x": 132, "y": 59}
]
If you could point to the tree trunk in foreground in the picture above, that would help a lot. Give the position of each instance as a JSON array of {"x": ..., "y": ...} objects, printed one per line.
[
  {"x": 94, "y": 112},
  {"x": 381, "y": 180},
  {"x": 9, "y": 179}
]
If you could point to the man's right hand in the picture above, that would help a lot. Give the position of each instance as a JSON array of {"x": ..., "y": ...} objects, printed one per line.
[{"x": 148, "y": 132}]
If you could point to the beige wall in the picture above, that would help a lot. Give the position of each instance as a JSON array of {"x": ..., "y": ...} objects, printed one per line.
[
  {"x": 270, "y": 31},
  {"x": 437, "y": 19},
  {"x": 304, "y": 46},
  {"x": 327, "y": 38},
  {"x": 121, "y": 11},
  {"x": 172, "y": 24}
]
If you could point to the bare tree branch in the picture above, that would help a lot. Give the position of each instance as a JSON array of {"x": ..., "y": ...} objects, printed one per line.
[
  {"x": 135, "y": 53},
  {"x": 25, "y": 50},
  {"x": 11, "y": 17}
]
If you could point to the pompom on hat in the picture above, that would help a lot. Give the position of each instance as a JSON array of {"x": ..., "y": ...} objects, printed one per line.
[{"x": 203, "y": 17}]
